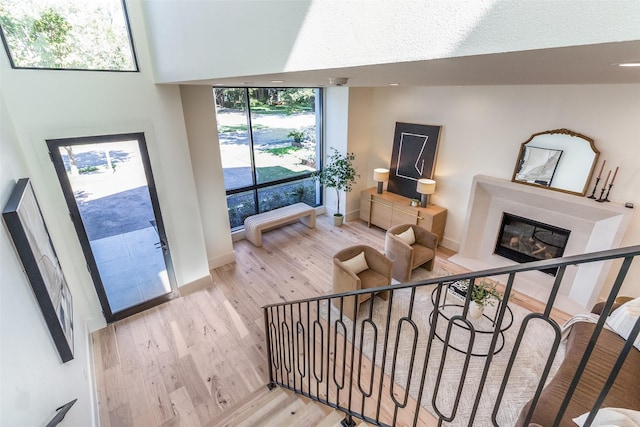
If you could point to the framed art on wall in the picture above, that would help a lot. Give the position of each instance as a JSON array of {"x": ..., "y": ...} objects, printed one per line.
[
  {"x": 24, "y": 221},
  {"x": 413, "y": 157}
]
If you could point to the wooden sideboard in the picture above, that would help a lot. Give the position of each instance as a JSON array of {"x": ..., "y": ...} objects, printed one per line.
[{"x": 388, "y": 209}]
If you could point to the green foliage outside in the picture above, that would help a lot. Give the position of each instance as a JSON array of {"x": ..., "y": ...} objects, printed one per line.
[
  {"x": 240, "y": 206},
  {"x": 274, "y": 173},
  {"x": 67, "y": 34},
  {"x": 238, "y": 128},
  {"x": 281, "y": 151},
  {"x": 285, "y": 101},
  {"x": 88, "y": 169},
  {"x": 297, "y": 135}
]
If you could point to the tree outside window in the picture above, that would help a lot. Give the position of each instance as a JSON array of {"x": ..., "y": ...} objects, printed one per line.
[
  {"x": 269, "y": 142},
  {"x": 67, "y": 34}
]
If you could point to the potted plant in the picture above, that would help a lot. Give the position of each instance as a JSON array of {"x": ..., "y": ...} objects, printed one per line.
[
  {"x": 482, "y": 294},
  {"x": 297, "y": 136},
  {"x": 340, "y": 174},
  {"x": 414, "y": 202}
]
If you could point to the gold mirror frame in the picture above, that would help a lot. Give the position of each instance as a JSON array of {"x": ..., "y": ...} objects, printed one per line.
[{"x": 569, "y": 171}]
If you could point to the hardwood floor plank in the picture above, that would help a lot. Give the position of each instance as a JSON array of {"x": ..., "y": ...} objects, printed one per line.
[
  {"x": 191, "y": 359},
  {"x": 236, "y": 320},
  {"x": 183, "y": 408},
  {"x": 121, "y": 416},
  {"x": 178, "y": 340},
  {"x": 115, "y": 386},
  {"x": 109, "y": 347},
  {"x": 196, "y": 388}
]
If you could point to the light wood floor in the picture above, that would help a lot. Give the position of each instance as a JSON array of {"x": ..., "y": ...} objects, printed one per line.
[{"x": 187, "y": 361}]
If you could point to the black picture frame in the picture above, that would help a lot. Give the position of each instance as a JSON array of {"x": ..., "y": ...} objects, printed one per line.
[
  {"x": 25, "y": 224},
  {"x": 415, "y": 148}
]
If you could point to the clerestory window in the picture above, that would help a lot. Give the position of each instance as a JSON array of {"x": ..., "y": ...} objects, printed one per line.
[
  {"x": 67, "y": 35},
  {"x": 270, "y": 141}
]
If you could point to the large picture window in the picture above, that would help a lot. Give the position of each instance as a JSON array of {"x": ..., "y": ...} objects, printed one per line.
[
  {"x": 270, "y": 139},
  {"x": 67, "y": 34}
]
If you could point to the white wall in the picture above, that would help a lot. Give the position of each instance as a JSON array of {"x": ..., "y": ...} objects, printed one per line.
[
  {"x": 359, "y": 140},
  {"x": 56, "y": 104},
  {"x": 33, "y": 380},
  {"x": 483, "y": 127},
  {"x": 190, "y": 39},
  {"x": 336, "y": 127},
  {"x": 200, "y": 121}
]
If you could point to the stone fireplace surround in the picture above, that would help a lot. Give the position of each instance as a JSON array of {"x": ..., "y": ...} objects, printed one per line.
[{"x": 594, "y": 227}]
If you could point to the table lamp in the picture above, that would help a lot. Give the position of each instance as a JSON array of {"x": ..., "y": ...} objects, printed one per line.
[
  {"x": 380, "y": 175},
  {"x": 425, "y": 187}
]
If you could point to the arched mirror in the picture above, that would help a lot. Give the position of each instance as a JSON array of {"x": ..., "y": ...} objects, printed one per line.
[{"x": 559, "y": 159}]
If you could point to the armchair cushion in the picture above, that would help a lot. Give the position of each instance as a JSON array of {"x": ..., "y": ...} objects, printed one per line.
[
  {"x": 357, "y": 264},
  {"x": 407, "y": 236}
]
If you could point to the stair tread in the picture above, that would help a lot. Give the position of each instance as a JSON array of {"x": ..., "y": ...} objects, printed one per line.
[
  {"x": 248, "y": 406},
  {"x": 279, "y": 408},
  {"x": 332, "y": 420},
  {"x": 269, "y": 410},
  {"x": 284, "y": 416},
  {"x": 309, "y": 415}
]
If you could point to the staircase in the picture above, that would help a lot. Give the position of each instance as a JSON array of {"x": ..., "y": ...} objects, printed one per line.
[{"x": 279, "y": 408}]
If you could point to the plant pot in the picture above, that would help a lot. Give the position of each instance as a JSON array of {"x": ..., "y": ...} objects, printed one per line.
[
  {"x": 337, "y": 219},
  {"x": 475, "y": 310}
]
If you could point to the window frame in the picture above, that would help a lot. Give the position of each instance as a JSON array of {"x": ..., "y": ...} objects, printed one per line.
[
  {"x": 256, "y": 186},
  {"x": 134, "y": 57}
]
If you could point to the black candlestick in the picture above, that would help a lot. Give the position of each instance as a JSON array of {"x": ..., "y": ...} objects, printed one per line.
[
  {"x": 592, "y": 196},
  {"x": 602, "y": 198},
  {"x": 606, "y": 198}
]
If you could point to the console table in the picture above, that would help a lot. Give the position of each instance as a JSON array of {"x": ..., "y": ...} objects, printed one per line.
[{"x": 388, "y": 209}]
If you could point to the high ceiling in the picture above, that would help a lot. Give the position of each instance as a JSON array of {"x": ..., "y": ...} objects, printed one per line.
[{"x": 587, "y": 64}]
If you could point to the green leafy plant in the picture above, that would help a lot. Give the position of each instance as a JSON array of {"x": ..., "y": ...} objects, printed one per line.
[
  {"x": 338, "y": 173},
  {"x": 297, "y": 135},
  {"x": 485, "y": 293}
]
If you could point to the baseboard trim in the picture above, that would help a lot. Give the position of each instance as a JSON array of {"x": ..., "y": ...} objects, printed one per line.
[
  {"x": 222, "y": 260},
  {"x": 196, "y": 285},
  {"x": 450, "y": 244}
]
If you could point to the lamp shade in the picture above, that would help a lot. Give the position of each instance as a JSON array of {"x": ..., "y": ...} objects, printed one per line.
[
  {"x": 426, "y": 186},
  {"x": 380, "y": 175}
]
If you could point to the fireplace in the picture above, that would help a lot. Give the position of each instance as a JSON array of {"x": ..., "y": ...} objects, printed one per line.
[
  {"x": 525, "y": 240},
  {"x": 594, "y": 227}
]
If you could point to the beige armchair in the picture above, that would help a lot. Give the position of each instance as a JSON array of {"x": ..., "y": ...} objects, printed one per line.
[
  {"x": 346, "y": 277},
  {"x": 407, "y": 257}
]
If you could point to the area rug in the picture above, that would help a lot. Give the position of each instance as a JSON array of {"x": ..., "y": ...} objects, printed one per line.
[{"x": 525, "y": 372}]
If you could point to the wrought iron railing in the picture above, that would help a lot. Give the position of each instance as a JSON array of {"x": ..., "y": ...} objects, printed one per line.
[{"x": 392, "y": 367}]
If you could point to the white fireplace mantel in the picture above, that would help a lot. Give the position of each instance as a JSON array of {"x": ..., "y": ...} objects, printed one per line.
[{"x": 594, "y": 227}]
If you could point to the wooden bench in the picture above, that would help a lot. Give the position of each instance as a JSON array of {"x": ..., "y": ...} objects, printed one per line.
[{"x": 256, "y": 224}]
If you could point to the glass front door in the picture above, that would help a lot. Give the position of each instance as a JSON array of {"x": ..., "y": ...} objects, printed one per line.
[{"x": 109, "y": 189}]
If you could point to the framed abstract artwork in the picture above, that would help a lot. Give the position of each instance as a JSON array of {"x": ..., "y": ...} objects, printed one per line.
[
  {"x": 414, "y": 156},
  {"x": 25, "y": 224},
  {"x": 538, "y": 165}
]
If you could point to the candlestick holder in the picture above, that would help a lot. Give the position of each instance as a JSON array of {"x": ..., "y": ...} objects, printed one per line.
[
  {"x": 606, "y": 197},
  {"x": 592, "y": 196}
]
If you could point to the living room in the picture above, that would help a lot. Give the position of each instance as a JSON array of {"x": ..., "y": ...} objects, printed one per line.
[{"x": 483, "y": 126}]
